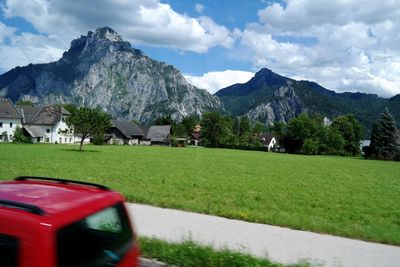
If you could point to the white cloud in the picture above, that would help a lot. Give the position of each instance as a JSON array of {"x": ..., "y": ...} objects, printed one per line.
[
  {"x": 213, "y": 81},
  {"x": 199, "y": 7},
  {"x": 355, "y": 48},
  {"x": 26, "y": 48},
  {"x": 141, "y": 21}
]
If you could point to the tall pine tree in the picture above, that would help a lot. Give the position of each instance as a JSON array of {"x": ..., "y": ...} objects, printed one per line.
[{"x": 384, "y": 136}]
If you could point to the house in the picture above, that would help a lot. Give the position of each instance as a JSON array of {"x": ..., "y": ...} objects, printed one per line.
[
  {"x": 10, "y": 119},
  {"x": 194, "y": 139},
  {"x": 124, "y": 133},
  {"x": 267, "y": 140},
  {"x": 46, "y": 124},
  {"x": 159, "y": 135}
]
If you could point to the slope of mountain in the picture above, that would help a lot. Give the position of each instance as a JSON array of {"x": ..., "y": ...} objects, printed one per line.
[
  {"x": 270, "y": 97},
  {"x": 102, "y": 70}
]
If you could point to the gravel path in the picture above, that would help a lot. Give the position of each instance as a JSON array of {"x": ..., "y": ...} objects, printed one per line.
[{"x": 279, "y": 244}]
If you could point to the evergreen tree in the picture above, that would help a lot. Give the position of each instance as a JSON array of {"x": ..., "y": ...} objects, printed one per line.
[
  {"x": 384, "y": 136},
  {"x": 19, "y": 136}
]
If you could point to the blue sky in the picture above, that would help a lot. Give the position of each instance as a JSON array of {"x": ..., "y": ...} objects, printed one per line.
[{"x": 346, "y": 45}]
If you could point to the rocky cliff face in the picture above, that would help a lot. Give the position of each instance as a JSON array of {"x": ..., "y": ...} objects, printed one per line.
[
  {"x": 102, "y": 70},
  {"x": 283, "y": 106},
  {"x": 269, "y": 97}
]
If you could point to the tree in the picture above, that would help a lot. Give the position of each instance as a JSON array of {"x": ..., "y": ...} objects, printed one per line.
[
  {"x": 164, "y": 120},
  {"x": 88, "y": 122},
  {"x": 216, "y": 129},
  {"x": 19, "y": 136},
  {"x": 384, "y": 136},
  {"x": 352, "y": 132},
  {"x": 279, "y": 130},
  {"x": 70, "y": 108},
  {"x": 299, "y": 130},
  {"x": 258, "y": 127},
  {"x": 24, "y": 103},
  {"x": 334, "y": 142},
  {"x": 189, "y": 123}
]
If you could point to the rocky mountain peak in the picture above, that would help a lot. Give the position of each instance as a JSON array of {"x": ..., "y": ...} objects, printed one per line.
[
  {"x": 102, "y": 70},
  {"x": 105, "y": 33}
]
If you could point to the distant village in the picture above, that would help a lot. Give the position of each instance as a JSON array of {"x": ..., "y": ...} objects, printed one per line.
[{"x": 47, "y": 124}]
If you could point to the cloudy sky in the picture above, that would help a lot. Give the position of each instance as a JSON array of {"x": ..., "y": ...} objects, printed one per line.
[{"x": 345, "y": 45}]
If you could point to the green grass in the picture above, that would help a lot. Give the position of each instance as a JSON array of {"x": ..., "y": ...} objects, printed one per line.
[
  {"x": 189, "y": 254},
  {"x": 338, "y": 195}
]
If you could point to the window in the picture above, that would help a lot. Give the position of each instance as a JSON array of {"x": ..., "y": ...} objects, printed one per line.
[
  {"x": 11, "y": 137},
  {"x": 8, "y": 251},
  {"x": 10, "y": 124},
  {"x": 101, "y": 239},
  {"x": 1, "y": 124},
  {"x": 47, "y": 130},
  {"x": 47, "y": 140}
]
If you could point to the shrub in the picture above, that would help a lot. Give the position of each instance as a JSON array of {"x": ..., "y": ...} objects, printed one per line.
[{"x": 19, "y": 136}]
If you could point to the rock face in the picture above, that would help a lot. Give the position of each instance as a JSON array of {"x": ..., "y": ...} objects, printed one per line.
[
  {"x": 269, "y": 97},
  {"x": 102, "y": 70}
]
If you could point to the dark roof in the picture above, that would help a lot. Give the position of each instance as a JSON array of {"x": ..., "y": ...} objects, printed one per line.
[
  {"x": 8, "y": 110},
  {"x": 265, "y": 138},
  {"x": 28, "y": 112},
  {"x": 127, "y": 128},
  {"x": 46, "y": 115},
  {"x": 196, "y": 135},
  {"x": 145, "y": 130},
  {"x": 159, "y": 133}
]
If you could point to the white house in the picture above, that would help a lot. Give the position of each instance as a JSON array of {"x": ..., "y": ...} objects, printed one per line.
[
  {"x": 10, "y": 119},
  {"x": 47, "y": 124},
  {"x": 267, "y": 140}
]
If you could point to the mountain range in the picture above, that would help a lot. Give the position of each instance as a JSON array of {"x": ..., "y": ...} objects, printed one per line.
[
  {"x": 102, "y": 70},
  {"x": 270, "y": 97}
]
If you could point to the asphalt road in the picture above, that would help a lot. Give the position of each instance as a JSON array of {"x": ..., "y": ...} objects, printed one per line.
[{"x": 279, "y": 244}]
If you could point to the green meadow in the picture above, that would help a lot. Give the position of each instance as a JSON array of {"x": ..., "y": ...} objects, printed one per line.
[{"x": 343, "y": 196}]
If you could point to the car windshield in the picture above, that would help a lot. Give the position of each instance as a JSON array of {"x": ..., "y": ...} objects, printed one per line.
[{"x": 100, "y": 239}]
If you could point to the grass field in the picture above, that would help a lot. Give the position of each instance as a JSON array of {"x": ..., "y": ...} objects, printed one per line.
[{"x": 338, "y": 195}]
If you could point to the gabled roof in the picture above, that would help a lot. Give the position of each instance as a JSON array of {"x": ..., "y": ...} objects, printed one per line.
[
  {"x": 46, "y": 115},
  {"x": 8, "y": 110},
  {"x": 127, "y": 128},
  {"x": 159, "y": 133},
  {"x": 196, "y": 135},
  {"x": 265, "y": 138}
]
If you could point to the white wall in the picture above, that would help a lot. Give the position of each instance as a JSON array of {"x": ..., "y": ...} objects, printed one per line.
[
  {"x": 60, "y": 136},
  {"x": 272, "y": 143},
  {"x": 10, "y": 130}
]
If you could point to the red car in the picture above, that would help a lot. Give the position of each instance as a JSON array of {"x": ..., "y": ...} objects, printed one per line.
[{"x": 48, "y": 222}]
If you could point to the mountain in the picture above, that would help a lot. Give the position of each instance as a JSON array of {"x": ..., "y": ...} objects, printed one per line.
[
  {"x": 102, "y": 70},
  {"x": 270, "y": 97}
]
